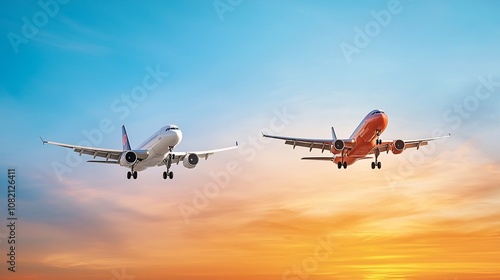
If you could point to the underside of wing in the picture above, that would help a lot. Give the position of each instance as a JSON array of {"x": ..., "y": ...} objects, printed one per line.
[
  {"x": 107, "y": 154},
  {"x": 206, "y": 154},
  {"x": 179, "y": 156},
  {"x": 397, "y": 146},
  {"x": 311, "y": 143}
]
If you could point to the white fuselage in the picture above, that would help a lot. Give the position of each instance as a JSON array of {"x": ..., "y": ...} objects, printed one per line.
[{"x": 158, "y": 146}]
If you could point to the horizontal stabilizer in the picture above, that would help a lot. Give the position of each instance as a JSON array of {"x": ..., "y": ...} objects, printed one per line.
[
  {"x": 103, "y": 161},
  {"x": 319, "y": 158}
]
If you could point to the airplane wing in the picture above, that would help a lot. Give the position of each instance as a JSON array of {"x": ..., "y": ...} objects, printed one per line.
[
  {"x": 107, "y": 154},
  {"x": 417, "y": 143},
  {"x": 179, "y": 156},
  {"x": 322, "y": 144}
]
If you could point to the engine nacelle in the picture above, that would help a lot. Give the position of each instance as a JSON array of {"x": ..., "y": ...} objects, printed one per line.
[
  {"x": 398, "y": 146},
  {"x": 190, "y": 161},
  {"x": 339, "y": 145},
  {"x": 128, "y": 159}
]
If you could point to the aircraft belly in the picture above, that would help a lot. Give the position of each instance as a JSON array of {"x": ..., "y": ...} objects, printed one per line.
[
  {"x": 162, "y": 147},
  {"x": 149, "y": 162},
  {"x": 347, "y": 159},
  {"x": 361, "y": 150}
]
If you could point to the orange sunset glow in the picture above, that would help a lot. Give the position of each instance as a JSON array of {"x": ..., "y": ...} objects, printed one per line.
[{"x": 439, "y": 223}]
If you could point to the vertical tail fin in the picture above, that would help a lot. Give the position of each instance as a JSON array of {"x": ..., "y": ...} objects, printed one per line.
[
  {"x": 125, "y": 142},
  {"x": 334, "y": 136}
]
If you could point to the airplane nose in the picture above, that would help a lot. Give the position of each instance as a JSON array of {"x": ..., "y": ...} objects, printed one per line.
[
  {"x": 385, "y": 119},
  {"x": 179, "y": 136}
]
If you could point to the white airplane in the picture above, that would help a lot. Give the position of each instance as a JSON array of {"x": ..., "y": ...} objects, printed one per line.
[
  {"x": 364, "y": 141},
  {"x": 157, "y": 150}
]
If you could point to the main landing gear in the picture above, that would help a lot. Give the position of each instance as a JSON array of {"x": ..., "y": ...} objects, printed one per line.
[
  {"x": 342, "y": 163},
  {"x": 132, "y": 174},
  {"x": 168, "y": 174},
  {"x": 168, "y": 163},
  {"x": 376, "y": 163}
]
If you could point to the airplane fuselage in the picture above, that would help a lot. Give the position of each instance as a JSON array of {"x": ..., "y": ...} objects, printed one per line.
[
  {"x": 158, "y": 146},
  {"x": 365, "y": 136}
]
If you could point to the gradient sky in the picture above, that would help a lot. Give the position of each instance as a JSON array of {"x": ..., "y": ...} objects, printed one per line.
[{"x": 227, "y": 70}]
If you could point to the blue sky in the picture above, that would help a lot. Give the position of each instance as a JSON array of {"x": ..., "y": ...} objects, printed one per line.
[{"x": 222, "y": 75}]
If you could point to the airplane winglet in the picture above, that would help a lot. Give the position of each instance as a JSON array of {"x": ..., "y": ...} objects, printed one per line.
[{"x": 43, "y": 141}]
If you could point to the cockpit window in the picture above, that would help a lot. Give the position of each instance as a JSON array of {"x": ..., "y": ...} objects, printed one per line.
[
  {"x": 376, "y": 112},
  {"x": 172, "y": 128}
]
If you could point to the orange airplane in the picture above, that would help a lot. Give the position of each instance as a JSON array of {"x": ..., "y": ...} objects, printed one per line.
[{"x": 364, "y": 141}]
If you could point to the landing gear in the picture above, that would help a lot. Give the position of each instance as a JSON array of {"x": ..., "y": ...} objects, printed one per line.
[
  {"x": 376, "y": 163},
  {"x": 378, "y": 141},
  {"x": 342, "y": 163},
  {"x": 132, "y": 174},
  {"x": 169, "y": 175},
  {"x": 168, "y": 163}
]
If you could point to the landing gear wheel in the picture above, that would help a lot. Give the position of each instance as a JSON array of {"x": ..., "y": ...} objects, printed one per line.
[
  {"x": 379, "y": 165},
  {"x": 171, "y": 175},
  {"x": 129, "y": 174},
  {"x": 373, "y": 165},
  {"x": 345, "y": 164},
  {"x": 378, "y": 141},
  {"x": 339, "y": 164},
  {"x": 134, "y": 174},
  {"x": 164, "y": 175}
]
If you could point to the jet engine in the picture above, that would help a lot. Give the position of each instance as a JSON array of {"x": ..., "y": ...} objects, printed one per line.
[
  {"x": 398, "y": 146},
  {"x": 339, "y": 145},
  {"x": 190, "y": 161},
  {"x": 128, "y": 159}
]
